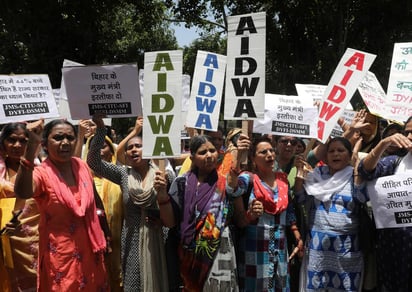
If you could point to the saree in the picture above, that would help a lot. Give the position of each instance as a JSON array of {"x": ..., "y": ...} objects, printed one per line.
[{"x": 204, "y": 210}]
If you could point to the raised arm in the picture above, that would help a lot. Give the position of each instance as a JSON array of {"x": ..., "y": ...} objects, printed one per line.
[
  {"x": 81, "y": 133},
  {"x": 121, "y": 147},
  {"x": 96, "y": 163},
  {"x": 24, "y": 186},
  {"x": 373, "y": 157}
]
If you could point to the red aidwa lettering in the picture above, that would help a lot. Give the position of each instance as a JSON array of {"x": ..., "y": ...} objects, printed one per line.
[
  {"x": 328, "y": 110},
  {"x": 346, "y": 78},
  {"x": 356, "y": 60},
  {"x": 321, "y": 128},
  {"x": 337, "y": 94}
]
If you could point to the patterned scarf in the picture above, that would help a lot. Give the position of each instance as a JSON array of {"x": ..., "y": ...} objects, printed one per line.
[
  {"x": 87, "y": 208},
  {"x": 204, "y": 215},
  {"x": 263, "y": 195}
]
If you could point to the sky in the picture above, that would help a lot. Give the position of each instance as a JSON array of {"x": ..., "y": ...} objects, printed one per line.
[{"x": 184, "y": 35}]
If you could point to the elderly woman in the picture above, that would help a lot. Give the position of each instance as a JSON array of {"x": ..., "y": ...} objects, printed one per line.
[{"x": 334, "y": 260}]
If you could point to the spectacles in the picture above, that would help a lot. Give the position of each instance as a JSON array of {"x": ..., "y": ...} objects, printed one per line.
[
  {"x": 293, "y": 142},
  {"x": 264, "y": 152},
  {"x": 69, "y": 138}
]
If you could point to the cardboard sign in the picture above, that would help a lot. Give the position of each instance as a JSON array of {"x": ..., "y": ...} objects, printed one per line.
[
  {"x": 346, "y": 78},
  {"x": 288, "y": 115},
  {"x": 112, "y": 89},
  {"x": 246, "y": 70},
  {"x": 26, "y": 97},
  {"x": 399, "y": 94},
  {"x": 162, "y": 103},
  {"x": 391, "y": 199},
  {"x": 207, "y": 89}
]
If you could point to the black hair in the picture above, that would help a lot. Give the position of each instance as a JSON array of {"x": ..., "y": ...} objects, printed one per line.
[
  {"x": 407, "y": 121},
  {"x": 135, "y": 136},
  {"x": 389, "y": 127},
  {"x": 301, "y": 142},
  {"x": 9, "y": 129},
  {"x": 49, "y": 127},
  {"x": 197, "y": 141},
  {"x": 345, "y": 142},
  {"x": 257, "y": 141}
]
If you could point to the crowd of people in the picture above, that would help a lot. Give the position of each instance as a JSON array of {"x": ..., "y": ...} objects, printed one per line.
[{"x": 239, "y": 212}]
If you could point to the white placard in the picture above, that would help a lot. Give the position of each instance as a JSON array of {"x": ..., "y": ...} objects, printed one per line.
[
  {"x": 112, "y": 89},
  {"x": 207, "y": 89},
  {"x": 246, "y": 70},
  {"x": 373, "y": 95},
  {"x": 162, "y": 102},
  {"x": 391, "y": 199},
  {"x": 26, "y": 97},
  {"x": 400, "y": 83},
  {"x": 346, "y": 78},
  {"x": 185, "y": 94},
  {"x": 291, "y": 115}
]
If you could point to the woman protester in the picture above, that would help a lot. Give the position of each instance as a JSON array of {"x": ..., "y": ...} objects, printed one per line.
[
  {"x": 200, "y": 209},
  {"x": 394, "y": 252},
  {"x": 111, "y": 198},
  {"x": 333, "y": 259},
  {"x": 265, "y": 212},
  {"x": 143, "y": 254},
  {"x": 22, "y": 234},
  {"x": 72, "y": 244}
]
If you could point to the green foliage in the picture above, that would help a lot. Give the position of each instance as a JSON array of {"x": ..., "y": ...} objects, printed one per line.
[
  {"x": 35, "y": 37},
  {"x": 307, "y": 38}
]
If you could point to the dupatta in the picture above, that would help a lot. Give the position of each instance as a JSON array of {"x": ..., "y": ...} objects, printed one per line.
[
  {"x": 204, "y": 214},
  {"x": 87, "y": 207}
]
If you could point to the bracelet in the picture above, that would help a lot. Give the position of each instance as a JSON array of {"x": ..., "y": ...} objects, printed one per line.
[
  {"x": 26, "y": 163},
  {"x": 164, "y": 202},
  {"x": 294, "y": 228}
]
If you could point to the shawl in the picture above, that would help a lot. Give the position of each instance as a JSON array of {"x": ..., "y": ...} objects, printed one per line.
[
  {"x": 263, "y": 195},
  {"x": 323, "y": 188},
  {"x": 151, "y": 247},
  {"x": 142, "y": 196},
  {"x": 204, "y": 216},
  {"x": 87, "y": 208},
  {"x": 197, "y": 200}
]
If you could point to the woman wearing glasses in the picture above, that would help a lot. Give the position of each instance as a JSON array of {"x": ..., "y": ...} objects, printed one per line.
[
  {"x": 265, "y": 212},
  {"x": 394, "y": 252}
]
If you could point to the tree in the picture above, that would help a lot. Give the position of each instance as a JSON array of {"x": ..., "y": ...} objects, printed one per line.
[
  {"x": 35, "y": 37},
  {"x": 306, "y": 39}
]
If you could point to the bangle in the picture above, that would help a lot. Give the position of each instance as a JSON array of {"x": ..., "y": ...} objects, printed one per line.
[
  {"x": 294, "y": 228},
  {"x": 26, "y": 163},
  {"x": 164, "y": 202}
]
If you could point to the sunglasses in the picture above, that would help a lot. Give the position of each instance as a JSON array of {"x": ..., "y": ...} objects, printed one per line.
[
  {"x": 292, "y": 142},
  {"x": 264, "y": 152}
]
